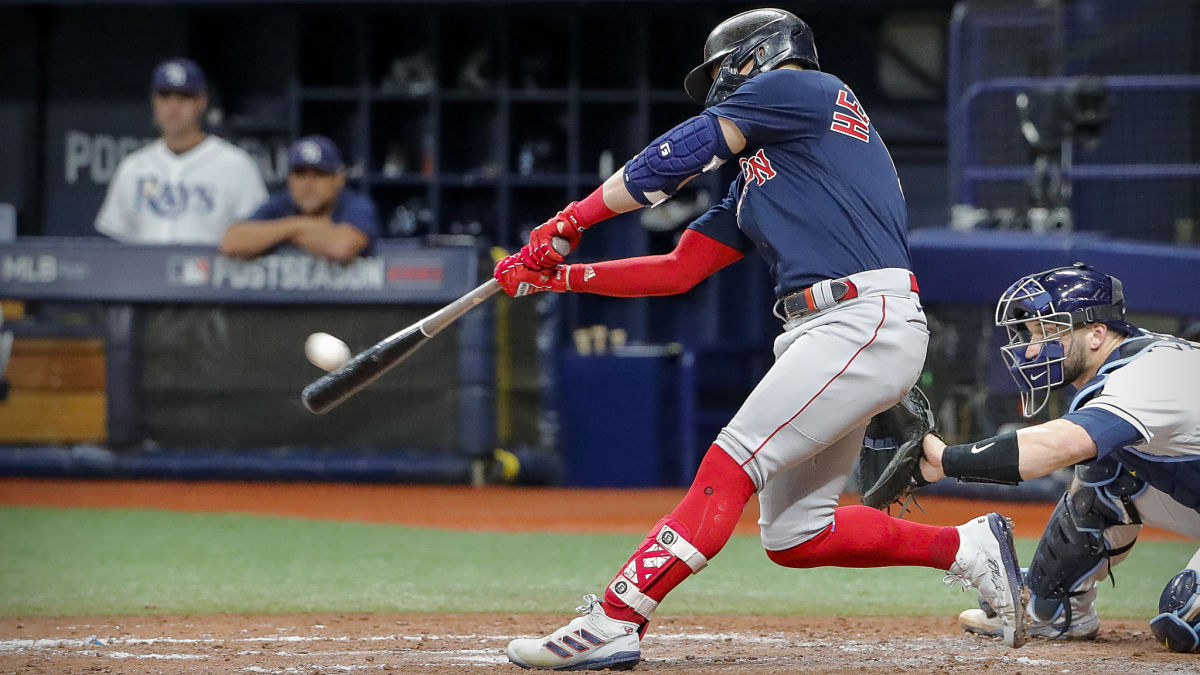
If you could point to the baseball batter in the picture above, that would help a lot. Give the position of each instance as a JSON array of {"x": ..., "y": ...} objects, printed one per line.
[
  {"x": 188, "y": 186},
  {"x": 1133, "y": 427},
  {"x": 820, "y": 199}
]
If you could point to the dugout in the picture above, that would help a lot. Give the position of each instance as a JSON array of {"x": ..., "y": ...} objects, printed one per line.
[{"x": 474, "y": 144}]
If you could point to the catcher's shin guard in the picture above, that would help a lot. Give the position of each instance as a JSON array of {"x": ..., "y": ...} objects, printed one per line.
[
  {"x": 1091, "y": 529},
  {"x": 656, "y": 560}
]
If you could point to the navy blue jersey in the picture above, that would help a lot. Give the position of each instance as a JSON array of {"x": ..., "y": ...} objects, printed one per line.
[
  {"x": 352, "y": 208},
  {"x": 818, "y": 193}
]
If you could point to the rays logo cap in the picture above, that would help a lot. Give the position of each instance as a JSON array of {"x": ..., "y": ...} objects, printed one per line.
[
  {"x": 178, "y": 75},
  {"x": 315, "y": 152}
]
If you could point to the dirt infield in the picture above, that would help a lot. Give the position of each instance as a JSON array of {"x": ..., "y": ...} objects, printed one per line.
[
  {"x": 474, "y": 642},
  {"x": 469, "y": 643}
]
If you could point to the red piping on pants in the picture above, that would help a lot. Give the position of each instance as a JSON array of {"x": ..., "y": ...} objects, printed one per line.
[{"x": 839, "y": 373}]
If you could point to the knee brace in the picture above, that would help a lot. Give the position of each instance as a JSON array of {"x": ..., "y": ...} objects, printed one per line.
[
  {"x": 666, "y": 547},
  {"x": 1175, "y": 626},
  {"x": 1082, "y": 542},
  {"x": 695, "y": 146}
]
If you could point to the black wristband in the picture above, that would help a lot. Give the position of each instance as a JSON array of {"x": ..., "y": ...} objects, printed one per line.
[{"x": 992, "y": 460}]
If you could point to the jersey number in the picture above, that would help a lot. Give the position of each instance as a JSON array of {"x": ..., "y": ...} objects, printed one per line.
[{"x": 854, "y": 122}]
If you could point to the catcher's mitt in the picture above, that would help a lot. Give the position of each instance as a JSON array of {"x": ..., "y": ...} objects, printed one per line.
[{"x": 889, "y": 464}]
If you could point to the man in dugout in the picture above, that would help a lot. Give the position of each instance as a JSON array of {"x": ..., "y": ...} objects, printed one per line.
[
  {"x": 187, "y": 186},
  {"x": 316, "y": 213}
]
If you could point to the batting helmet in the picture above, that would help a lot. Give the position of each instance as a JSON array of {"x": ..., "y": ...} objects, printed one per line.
[
  {"x": 771, "y": 37},
  {"x": 1055, "y": 301}
]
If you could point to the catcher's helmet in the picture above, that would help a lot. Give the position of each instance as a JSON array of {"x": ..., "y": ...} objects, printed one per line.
[
  {"x": 771, "y": 37},
  {"x": 1054, "y": 302}
]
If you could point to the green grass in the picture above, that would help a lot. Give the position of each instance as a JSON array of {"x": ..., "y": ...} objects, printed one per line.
[{"x": 104, "y": 562}]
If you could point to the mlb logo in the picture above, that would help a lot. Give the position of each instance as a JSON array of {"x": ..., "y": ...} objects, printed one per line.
[{"x": 188, "y": 270}]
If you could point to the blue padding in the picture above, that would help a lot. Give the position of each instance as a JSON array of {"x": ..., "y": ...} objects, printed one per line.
[
  {"x": 684, "y": 151},
  {"x": 975, "y": 267},
  {"x": 1174, "y": 634},
  {"x": 214, "y": 464},
  {"x": 1178, "y": 476},
  {"x": 101, "y": 270},
  {"x": 1157, "y": 277}
]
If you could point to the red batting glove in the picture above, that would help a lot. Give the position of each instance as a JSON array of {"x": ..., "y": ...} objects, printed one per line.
[
  {"x": 517, "y": 279},
  {"x": 539, "y": 254}
]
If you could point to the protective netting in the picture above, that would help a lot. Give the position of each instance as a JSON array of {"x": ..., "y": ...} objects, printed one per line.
[
  {"x": 231, "y": 377},
  {"x": 1119, "y": 80}
]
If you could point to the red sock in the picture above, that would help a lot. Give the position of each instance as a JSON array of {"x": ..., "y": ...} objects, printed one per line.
[
  {"x": 706, "y": 518},
  {"x": 864, "y": 537}
]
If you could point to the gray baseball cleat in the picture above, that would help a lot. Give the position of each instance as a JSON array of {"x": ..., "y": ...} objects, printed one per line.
[
  {"x": 987, "y": 561},
  {"x": 590, "y": 642},
  {"x": 985, "y": 621}
]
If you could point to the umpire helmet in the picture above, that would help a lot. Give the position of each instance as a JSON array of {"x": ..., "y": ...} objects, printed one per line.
[
  {"x": 1056, "y": 301},
  {"x": 771, "y": 37}
]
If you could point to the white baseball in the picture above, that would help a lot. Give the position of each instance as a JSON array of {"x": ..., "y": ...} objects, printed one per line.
[{"x": 326, "y": 352}]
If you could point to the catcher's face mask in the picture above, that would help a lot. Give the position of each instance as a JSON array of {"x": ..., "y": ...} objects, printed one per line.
[{"x": 1035, "y": 352}]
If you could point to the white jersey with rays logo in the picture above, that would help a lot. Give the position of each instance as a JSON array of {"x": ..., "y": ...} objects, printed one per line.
[
  {"x": 1158, "y": 395},
  {"x": 1146, "y": 415},
  {"x": 159, "y": 197}
]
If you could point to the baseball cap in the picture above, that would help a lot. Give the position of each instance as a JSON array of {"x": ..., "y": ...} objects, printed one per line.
[
  {"x": 178, "y": 75},
  {"x": 315, "y": 152}
]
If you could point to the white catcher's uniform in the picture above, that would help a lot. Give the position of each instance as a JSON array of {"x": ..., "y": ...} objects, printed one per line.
[
  {"x": 159, "y": 197},
  {"x": 801, "y": 429},
  {"x": 1143, "y": 410}
]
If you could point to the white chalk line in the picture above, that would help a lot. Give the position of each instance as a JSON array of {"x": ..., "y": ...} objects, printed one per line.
[{"x": 481, "y": 657}]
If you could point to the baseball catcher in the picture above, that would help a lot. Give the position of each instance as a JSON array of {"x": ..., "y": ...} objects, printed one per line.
[{"x": 1132, "y": 429}]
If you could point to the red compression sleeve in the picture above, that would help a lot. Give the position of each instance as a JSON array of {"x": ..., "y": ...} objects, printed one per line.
[
  {"x": 695, "y": 258},
  {"x": 592, "y": 209}
]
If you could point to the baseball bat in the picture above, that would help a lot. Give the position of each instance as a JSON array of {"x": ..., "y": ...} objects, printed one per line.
[{"x": 369, "y": 365}]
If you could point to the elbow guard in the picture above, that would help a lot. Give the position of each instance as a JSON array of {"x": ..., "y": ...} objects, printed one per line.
[{"x": 694, "y": 146}]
